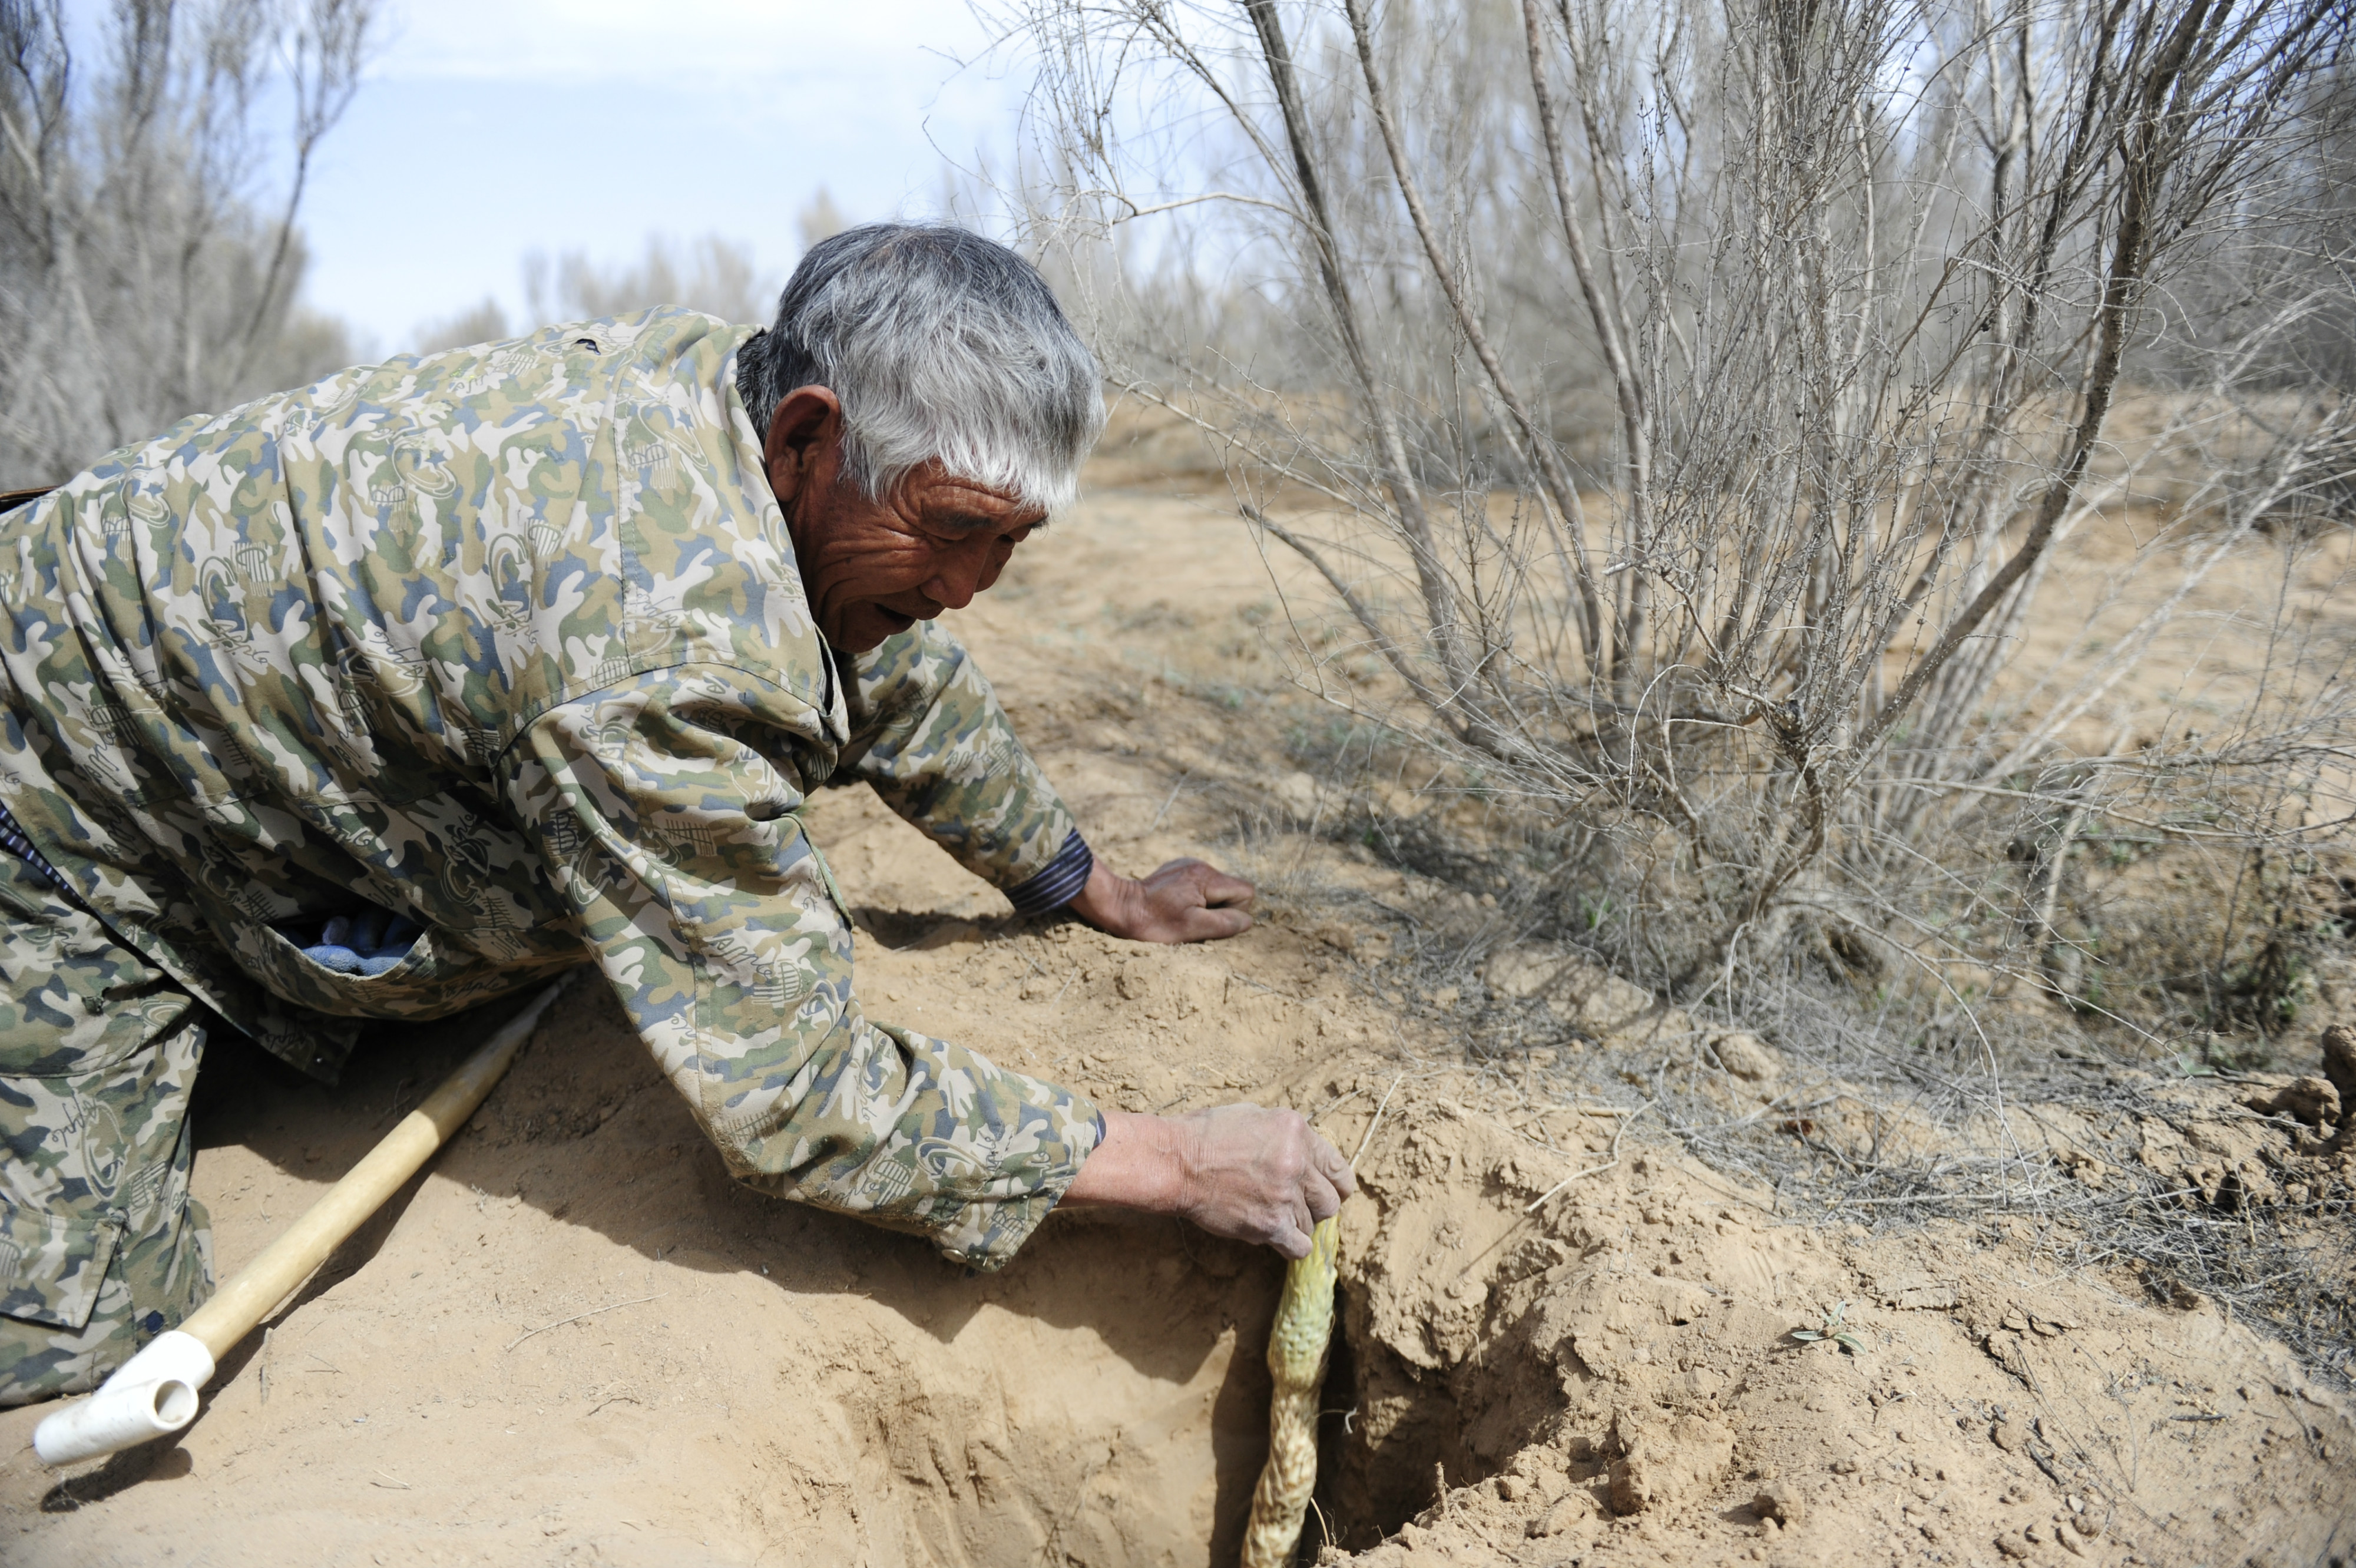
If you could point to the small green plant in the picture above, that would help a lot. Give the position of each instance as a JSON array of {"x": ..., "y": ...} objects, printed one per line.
[
  {"x": 2269, "y": 988},
  {"x": 1834, "y": 1329}
]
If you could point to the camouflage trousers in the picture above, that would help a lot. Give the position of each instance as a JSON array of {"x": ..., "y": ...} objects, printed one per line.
[{"x": 101, "y": 1248}]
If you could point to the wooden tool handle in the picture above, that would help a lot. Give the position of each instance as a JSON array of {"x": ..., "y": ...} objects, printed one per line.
[{"x": 237, "y": 1307}]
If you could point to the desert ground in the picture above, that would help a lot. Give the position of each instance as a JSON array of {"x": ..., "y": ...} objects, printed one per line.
[{"x": 1563, "y": 1338}]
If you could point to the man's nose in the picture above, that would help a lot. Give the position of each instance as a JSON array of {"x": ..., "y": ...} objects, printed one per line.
[{"x": 958, "y": 579}]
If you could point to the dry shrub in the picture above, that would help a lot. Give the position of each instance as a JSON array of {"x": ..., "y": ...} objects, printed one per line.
[
  {"x": 1688, "y": 408},
  {"x": 1833, "y": 508}
]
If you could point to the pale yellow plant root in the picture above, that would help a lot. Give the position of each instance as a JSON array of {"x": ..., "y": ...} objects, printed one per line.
[{"x": 1296, "y": 1358}]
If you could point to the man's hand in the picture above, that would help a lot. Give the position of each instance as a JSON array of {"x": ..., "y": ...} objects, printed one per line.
[
  {"x": 1237, "y": 1171},
  {"x": 1184, "y": 901}
]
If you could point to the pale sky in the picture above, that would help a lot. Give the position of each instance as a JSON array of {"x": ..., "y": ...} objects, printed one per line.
[{"x": 490, "y": 128}]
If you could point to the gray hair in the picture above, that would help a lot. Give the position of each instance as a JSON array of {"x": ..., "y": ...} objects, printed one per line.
[{"x": 939, "y": 344}]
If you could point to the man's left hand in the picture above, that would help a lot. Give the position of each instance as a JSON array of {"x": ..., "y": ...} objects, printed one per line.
[{"x": 1184, "y": 901}]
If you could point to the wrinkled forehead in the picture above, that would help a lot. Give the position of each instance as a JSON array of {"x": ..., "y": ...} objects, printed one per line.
[{"x": 950, "y": 499}]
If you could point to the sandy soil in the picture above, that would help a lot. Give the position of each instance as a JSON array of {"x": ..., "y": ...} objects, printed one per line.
[{"x": 573, "y": 1340}]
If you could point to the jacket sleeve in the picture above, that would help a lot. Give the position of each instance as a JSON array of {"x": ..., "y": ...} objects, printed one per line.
[
  {"x": 668, "y": 809},
  {"x": 927, "y": 733}
]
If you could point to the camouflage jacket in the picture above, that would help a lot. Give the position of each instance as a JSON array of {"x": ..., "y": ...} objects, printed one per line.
[{"x": 510, "y": 641}]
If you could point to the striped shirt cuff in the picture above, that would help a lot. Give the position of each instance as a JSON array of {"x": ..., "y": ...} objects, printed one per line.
[{"x": 1058, "y": 885}]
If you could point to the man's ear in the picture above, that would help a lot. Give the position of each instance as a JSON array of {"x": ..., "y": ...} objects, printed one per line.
[{"x": 805, "y": 438}]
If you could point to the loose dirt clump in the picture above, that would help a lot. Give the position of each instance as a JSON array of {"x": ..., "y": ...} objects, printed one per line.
[
  {"x": 1563, "y": 1337},
  {"x": 1618, "y": 1368}
]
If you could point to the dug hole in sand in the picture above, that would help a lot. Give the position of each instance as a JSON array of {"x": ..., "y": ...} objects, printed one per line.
[{"x": 574, "y": 1341}]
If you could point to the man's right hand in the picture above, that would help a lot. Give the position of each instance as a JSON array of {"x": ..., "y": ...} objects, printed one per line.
[
  {"x": 1182, "y": 901},
  {"x": 1238, "y": 1171}
]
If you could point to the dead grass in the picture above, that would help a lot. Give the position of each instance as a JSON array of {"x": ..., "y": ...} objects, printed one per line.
[
  {"x": 1912, "y": 1091},
  {"x": 2003, "y": 1107}
]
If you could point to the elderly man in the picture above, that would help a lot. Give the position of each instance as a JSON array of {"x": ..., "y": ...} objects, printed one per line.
[{"x": 387, "y": 696}]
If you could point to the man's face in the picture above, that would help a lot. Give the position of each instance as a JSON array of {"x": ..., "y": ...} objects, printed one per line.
[{"x": 872, "y": 569}]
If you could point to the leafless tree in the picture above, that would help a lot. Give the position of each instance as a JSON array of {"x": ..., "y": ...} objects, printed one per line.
[
  {"x": 146, "y": 269},
  {"x": 715, "y": 274},
  {"x": 1684, "y": 401}
]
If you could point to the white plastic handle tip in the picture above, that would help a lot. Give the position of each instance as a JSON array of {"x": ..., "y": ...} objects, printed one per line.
[{"x": 152, "y": 1395}]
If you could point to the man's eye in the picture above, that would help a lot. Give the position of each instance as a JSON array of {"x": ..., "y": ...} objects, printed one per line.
[{"x": 960, "y": 527}]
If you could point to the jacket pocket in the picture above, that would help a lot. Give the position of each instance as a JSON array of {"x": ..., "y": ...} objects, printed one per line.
[
  {"x": 51, "y": 1268},
  {"x": 428, "y": 982}
]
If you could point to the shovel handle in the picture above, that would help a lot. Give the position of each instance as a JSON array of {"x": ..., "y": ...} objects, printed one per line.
[
  {"x": 249, "y": 1296},
  {"x": 156, "y": 1392}
]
